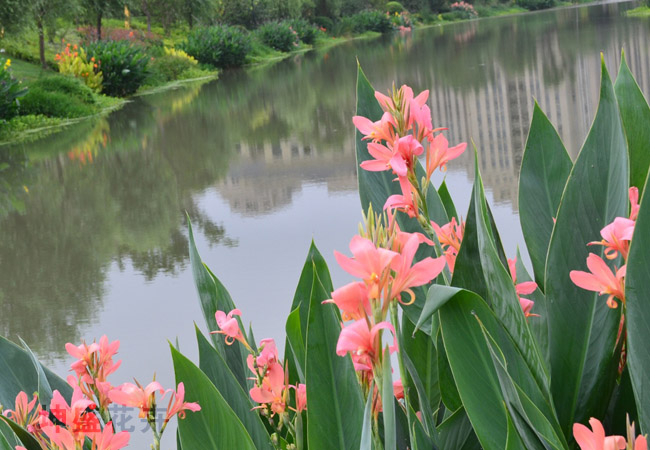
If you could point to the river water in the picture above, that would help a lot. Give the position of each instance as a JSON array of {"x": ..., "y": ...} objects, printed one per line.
[{"x": 93, "y": 238}]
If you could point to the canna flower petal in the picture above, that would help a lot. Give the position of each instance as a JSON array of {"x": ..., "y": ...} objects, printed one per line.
[
  {"x": 601, "y": 279},
  {"x": 178, "y": 405},
  {"x": 596, "y": 439},
  {"x": 352, "y": 300}
]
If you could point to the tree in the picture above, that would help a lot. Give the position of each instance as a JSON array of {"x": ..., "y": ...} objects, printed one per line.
[
  {"x": 97, "y": 9},
  {"x": 12, "y": 15},
  {"x": 44, "y": 13}
]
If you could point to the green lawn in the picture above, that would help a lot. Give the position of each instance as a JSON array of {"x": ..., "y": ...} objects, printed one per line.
[{"x": 26, "y": 71}]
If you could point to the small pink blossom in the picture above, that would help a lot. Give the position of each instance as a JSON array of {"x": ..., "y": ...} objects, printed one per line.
[
  {"x": 301, "y": 397},
  {"x": 525, "y": 288},
  {"x": 229, "y": 326},
  {"x": 634, "y": 202},
  {"x": 109, "y": 440},
  {"x": 363, "y": 343},
  {"x": 439, "y": 153},
  {"x": 135, "y": 396},
  {"x": 382, "y": 130},
  {"x": 352, "y": 300},
  {"x": 273, "y": 389},
  {"x": 406, "y": 202},
  {"x": 616, "y": 237},
  {"x": 398, "y": 389},
  {"x": 370, "y": 263},
  {"x": 178, "y": 405},
  {"x": 450, "y": 237},
  {"x": 596, "y": 439},
  {"x": 601, "y": 279}
]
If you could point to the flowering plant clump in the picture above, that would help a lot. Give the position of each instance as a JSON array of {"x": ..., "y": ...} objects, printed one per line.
[
  {"x": 465, "y": 8},
  {"x": 10, "y": 92},
  {"x": 86, "y": 418},
  {"x": 440, "y": 340},
  {"x": 72, "y": 60}
]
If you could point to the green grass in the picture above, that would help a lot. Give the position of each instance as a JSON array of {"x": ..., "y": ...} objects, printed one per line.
[
  {"x": 498, "y": 10},
  {"x": 27, "y": 71},
  {"x": 641, "y": 11}
]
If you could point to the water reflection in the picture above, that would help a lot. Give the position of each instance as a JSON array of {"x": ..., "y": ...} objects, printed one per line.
[{"x": 112, "y": 192}]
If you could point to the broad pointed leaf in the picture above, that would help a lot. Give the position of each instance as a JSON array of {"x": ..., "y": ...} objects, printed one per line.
[
  {"x": 213, "y": 297},
  {"x": 215, "y": 426},
  {"x": 335, "y": 411},
  {"x": 635, "y": 114},
  {"x": 544, "y": 171},
  {"x": 637, "y": 286},
  {"x": 582, "y": 329},
  {"x": 212, "y": 364}
]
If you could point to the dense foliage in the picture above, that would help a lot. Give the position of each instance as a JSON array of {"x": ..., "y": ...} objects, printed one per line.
[
  {"x": 307, "y": 32},
  {"x": 10, "y": 92},
  {"x": 123, "y": 66},
  {"x": 534, "y": 5},
  {"x": 219, "y": 46},
  {"x": 59, "y": 96},
  {"x": 364, "y": 21},
  {"x": 278, "y": 35}
]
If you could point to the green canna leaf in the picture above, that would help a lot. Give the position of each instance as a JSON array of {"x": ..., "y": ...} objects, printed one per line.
[
  {"x": 213, "y": 297},
  {"x": 582, "y": 329},
  {"x": 213, "y": 365},
  {"x": 335, "y": 411},
  {"x": 215, "y": 426},
  {"x": 545, "y": 168},
  {"x": 638, "y": 313},
  {"x": 635, "y": 115}
]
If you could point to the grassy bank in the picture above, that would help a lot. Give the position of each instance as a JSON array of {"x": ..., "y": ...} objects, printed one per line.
[
  {"x": 641, "y": 11},
  {"x": 166, "y": 61}
]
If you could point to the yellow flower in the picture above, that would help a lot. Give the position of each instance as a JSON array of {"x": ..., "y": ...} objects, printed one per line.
[{"x": 8, "y": 63}]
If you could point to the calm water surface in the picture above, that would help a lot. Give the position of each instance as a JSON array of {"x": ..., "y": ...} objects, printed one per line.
[{"x": 93, "y": 238}]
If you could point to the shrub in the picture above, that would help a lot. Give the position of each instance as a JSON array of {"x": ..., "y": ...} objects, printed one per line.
[
  {"x": 59, "y": 96},
  {"x": 394, "y": 7},
  {"x": 534, "y": 5},
  {"x": 324, "y": 23},
  {"x": 74, "y": 61},
  {"x": 220, "y": 46},
  {"x": 123, "y": 65},
  {"x": 172, "y": 65},
  {"x": 10, "y": 91},
  {"x": 364, "y": 21},
  {"x": 463, "y": 10},
  {"x": 278, "y": 35},
  {"x": 306, "y": 31}
]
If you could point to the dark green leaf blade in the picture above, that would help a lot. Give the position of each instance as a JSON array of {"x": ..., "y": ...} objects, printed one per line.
[
  {"x": 214, "y": 297},
  {"x": 544, "y": 171},
  {"x": 215, "y": 426},
  {"x": 638, "y": 313},
  {"x": 215, "y": 367},
  {"x": 635, "y": 115},
  {"x": 582, "y": 330},
  {"x": 335, "y": 411}
]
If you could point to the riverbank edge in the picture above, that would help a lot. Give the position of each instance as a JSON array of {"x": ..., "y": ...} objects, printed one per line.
[{"x": 25, "y": 134}]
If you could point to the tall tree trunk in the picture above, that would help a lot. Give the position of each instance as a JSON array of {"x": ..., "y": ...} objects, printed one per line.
[
  {"x": 190, "y": 13},
  {"x": 100, "y": 13},
  {"x": 41, "y": 39},
  {"x": 147, "y": 12}
]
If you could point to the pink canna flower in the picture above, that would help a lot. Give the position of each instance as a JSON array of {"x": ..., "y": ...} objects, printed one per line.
[
  {"x": 267, "y": 357},
  {"x": 61, "y": 436},
  {"x": 76, "y": 417},
  {"x": 85, "y": 355},
  {"x": 525, "y": 288},
  {"x": 398, "y": 389},
  {"x": 370, "y": 263},
  {"x": 109, "y": 440},
  {"x": 229, "y": 326},
  {"x": 178, "y": 405},
  {"x": 616, "y": 237},
  {"x": 135, "y": 396},
  {"x": 634, "y": 202},
  {"x": 450, "y": 237},
  {"x": 439, "y": 153},
  {"x": 352, "y": 300},
  {"x": 407, "y": 202},
  {"x": 301, "y": 397},
  {"x": 596, "y": 439},
  {"x": 26, "y": 413},
  {"x": 363, "y": 343},
  {"x": 601, "y": 280},
  {"x": 382, "y": 130},
  {"x": 273, "y": 390},
  {"x": 398, "y": 155},
  {"x": 408, "y": 275}
]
